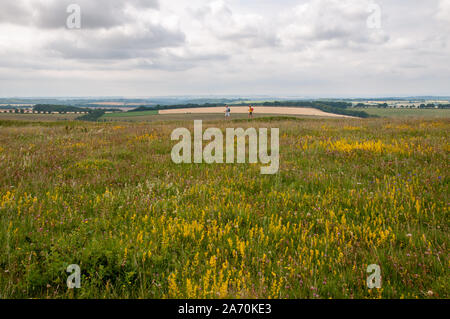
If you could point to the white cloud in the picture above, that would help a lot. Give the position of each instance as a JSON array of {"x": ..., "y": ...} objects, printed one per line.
[
  {"x": 53, "y": 13},
  {"x": 224, "y": 24},
  {"x": 338, "y": 22},
  {"x": 443, "y": 13}
]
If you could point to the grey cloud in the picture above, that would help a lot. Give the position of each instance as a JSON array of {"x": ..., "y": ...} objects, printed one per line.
[
  {"x": 252, "y": 37},
  {"x": 94, "y": 14},
  {"x": 53, "y": 14},
  {"x": 15, "y": 12},
  {"x": 342, "y": 23},
  {"x": 141, "y": 60},
  {"x": 248, "y": 30},
  {"x": 172, "y": 63},
  {"x": 116, "y": 43}
]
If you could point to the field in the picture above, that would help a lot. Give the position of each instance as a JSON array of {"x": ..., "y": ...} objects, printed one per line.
[
  {"x": 404, "y": 113},
  {"x": 107, "y": 196},
  {"x": 37, "y": 117},
  {"x": 151, "y": 116},
  {"x": 130, "y": 114},
  {"x": 213, "y": 113},
  {"x": 299, "y": 111}
]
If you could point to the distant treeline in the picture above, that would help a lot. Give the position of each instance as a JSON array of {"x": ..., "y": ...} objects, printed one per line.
[
  {"x": 421, "y": 106},
  {"x": 341, "y": 111},
  {"x": 68, "y": 108},
  {"x": 444, "y": 106},
  {"x": 314, "y": 104},
  {"x": 92, "y": 116},
  {"x": 341, "y": 108},
  {"x": 46, "y": 108},
  {"x": 172, "y": 107}
]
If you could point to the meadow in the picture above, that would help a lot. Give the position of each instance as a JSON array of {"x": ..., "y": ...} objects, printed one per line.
[
  {"x": 37, "y": 117},
  {"x": 106, "y": 196},
  {"x": 404, "y": 113},
  {"x": 152, "y": 117},
  {"x": 129, "y": 114}
]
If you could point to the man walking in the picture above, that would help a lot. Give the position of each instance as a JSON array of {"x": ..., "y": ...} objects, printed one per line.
[{"x": 227, "y": 112}]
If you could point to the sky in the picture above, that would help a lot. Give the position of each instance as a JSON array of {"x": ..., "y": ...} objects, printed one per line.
[{"x": 302, "y": 48}]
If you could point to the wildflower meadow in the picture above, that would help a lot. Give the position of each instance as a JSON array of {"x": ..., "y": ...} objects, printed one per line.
[{"x": 349, "y": 193}]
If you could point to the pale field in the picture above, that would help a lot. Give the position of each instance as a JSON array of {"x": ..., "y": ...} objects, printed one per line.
[{"x": 258, "y": 110}]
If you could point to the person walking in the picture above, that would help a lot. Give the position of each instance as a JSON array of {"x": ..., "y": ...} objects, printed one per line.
[
  {"x": 250, "y": 111},
  {"x": 227, "y": 112}
]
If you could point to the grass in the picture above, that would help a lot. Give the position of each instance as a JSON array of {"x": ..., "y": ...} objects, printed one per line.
[
  {"x": 403, "y": 113},
  {"x": 182, "y": 117},
  {"x": 38, "y": 117},
  {"x": 130, "y": 114},
  {"x": 106, "y": 196}
]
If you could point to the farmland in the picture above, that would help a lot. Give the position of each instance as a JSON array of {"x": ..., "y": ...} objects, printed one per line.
[
  {"x": 210, "y": 114},
  {"x": 37, "y": 117},
  {"x": 106, "y": 196},
  {"x": 404, "y": 113},
  {"x": 302, "y": 111},
  {"x": 130, "y": 114}
]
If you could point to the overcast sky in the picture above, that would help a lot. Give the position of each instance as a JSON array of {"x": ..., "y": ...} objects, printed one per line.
[{"x": 321, "y": 48}]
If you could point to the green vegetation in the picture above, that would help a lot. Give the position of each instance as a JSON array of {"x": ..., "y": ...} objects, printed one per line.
[
  {"x": 106, "y": 196},
  {"x": 179, "y": 118},
  {"x": 419, "y": 106},
  {"x": 341, "y": 110},
  {"x": 131, "y": 114},
  {"x": 429, "y": 113},
  {"x": 38, "y": 117},
  {"x": 92, "y": 116}
]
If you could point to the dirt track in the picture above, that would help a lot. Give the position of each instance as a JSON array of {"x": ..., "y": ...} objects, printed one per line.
[{"x": 258, "y": 110}]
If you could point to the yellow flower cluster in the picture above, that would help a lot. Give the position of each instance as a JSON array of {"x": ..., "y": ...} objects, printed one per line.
[
  {"x": 348, "y": 146},
  {"x": 93, "y": 164},
  {"x": 147, "y": 137}
]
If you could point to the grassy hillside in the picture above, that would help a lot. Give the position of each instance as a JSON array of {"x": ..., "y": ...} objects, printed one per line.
[
  {"x": 106, "y": 196},
  {"x": 404, "y": 113},
  {"x": 37, "y": 117},
  {"x": 130, "y": 114}
]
